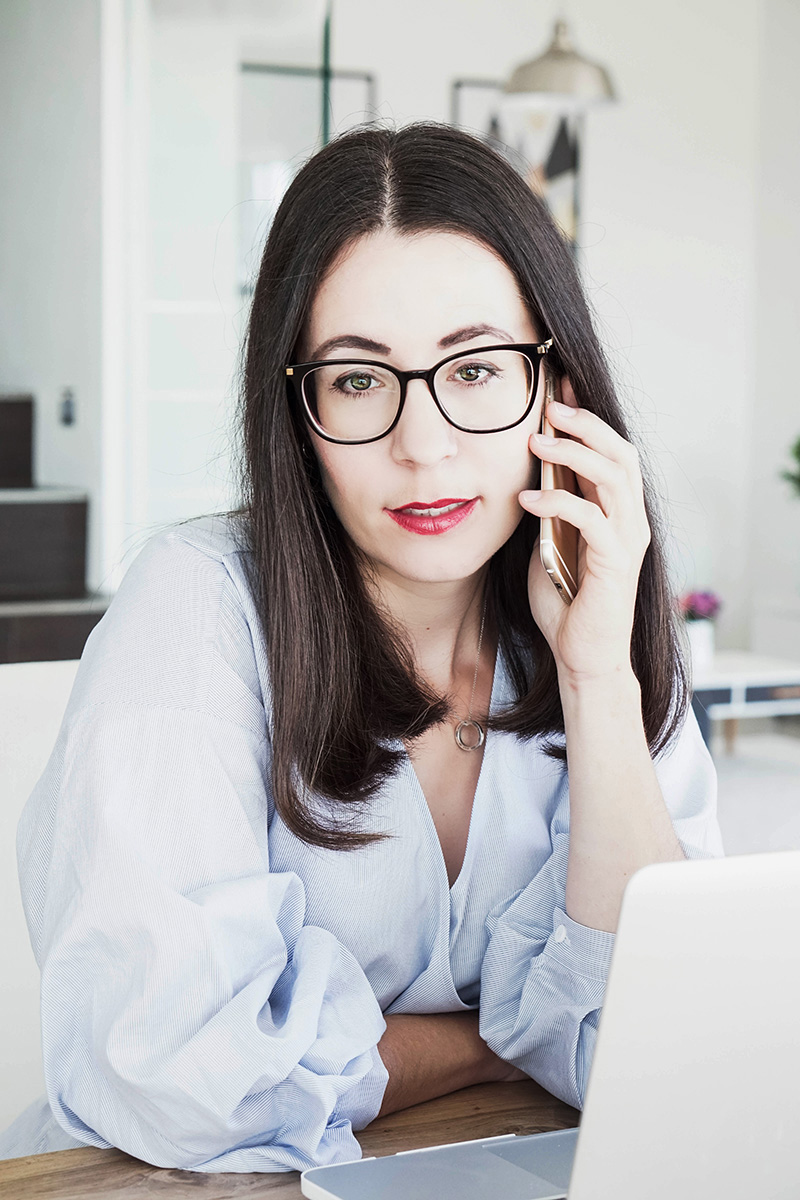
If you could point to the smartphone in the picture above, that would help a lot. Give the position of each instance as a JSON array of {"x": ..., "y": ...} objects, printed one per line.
[{"x": 558, "y": 543}]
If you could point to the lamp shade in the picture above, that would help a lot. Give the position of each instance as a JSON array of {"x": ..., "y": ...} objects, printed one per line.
[{"x": 560, "y": 77}]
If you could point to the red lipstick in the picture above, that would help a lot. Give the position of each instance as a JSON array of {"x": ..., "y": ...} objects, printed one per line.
[{"x": 429, "y": 517}]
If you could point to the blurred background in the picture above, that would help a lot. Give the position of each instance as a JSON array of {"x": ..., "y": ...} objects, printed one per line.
[
  {"x": 144, "y": 146},
  {"x": 139, "y": 141}
]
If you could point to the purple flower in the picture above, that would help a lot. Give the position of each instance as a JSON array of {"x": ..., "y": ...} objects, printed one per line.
[{"x": 699, "y": 606}]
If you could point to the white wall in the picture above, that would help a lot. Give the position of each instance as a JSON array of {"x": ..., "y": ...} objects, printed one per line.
[
  {"x": 774, "y": 545},
  {"x": 50, "y": 256},
  {"x": 670, "y": 244}
]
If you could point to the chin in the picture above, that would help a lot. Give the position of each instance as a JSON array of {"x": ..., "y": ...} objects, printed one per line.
[{"x": 438, "y": 566}]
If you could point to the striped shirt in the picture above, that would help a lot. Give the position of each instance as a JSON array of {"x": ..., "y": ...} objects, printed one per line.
[{"x": 213, "y": 989}]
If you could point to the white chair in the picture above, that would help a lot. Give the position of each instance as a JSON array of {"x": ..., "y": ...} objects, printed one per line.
[{"x": 33, "y": 697}]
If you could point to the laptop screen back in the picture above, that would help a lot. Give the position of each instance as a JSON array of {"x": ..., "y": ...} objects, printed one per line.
[{"x": 693, "y": 1090}]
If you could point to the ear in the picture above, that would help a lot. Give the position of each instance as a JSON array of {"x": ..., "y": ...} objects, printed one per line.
[{"x": 567, "y": 393}]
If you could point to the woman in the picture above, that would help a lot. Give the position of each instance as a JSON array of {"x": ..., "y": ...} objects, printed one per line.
[{"x": 345, "y": 798}]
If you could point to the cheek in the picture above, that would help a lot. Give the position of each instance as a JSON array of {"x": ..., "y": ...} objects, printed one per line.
[
  {"x": 515, "y": 467},
  {"x": 346, "y": 479}
]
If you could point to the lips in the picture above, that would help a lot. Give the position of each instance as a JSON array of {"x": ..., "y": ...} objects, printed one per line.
[
  {"x": 432, "y": 508},
  {"x": 429, "y": 517}
]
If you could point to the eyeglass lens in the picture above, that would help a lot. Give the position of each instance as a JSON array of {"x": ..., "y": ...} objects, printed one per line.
[{"x": 479, "y": 391}]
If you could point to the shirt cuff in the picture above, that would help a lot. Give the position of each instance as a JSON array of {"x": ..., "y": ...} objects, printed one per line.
[
  {"x": 362, "y": 1103},
  {"x": 581, "y": 949}
]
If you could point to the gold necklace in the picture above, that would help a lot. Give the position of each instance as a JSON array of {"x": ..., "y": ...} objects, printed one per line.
[{"x": 475, "y": 734}]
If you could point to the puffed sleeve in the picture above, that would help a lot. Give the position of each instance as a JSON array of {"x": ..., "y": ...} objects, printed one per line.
[
  {"x": 544, "y": 975},
  {"x": 189, "y": 1015}
]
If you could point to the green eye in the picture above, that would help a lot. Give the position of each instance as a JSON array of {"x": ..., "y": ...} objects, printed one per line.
[
  {"x": 469, "y": 374},
  {"x": 359, "y": 383}
]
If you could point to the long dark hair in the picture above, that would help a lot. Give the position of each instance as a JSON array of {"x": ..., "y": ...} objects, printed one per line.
[{"x": 344, "y": 686}]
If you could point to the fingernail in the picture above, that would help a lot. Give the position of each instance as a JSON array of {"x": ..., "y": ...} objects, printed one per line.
[
  {"x": 564, "y": 410},
  {"x": 531, "y": 495},
  {"x": 544, "y": 439}
]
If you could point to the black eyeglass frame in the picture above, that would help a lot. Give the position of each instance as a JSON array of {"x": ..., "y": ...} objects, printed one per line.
[{"x": 297, "y": 372}]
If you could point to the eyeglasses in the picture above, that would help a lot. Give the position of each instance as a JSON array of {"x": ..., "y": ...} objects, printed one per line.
[{"x": 352, "y": 401}]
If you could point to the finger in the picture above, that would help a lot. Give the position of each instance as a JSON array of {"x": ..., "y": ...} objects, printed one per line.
[
  {"x": 618, "y": 549},
  {"x": 587, "y": 517},
  {"x": 589, "y": 465},
  {"x": 593, "y": 431}
]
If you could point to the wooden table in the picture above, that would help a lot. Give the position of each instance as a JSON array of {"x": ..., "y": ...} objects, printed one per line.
[{"x": 483, "y": 1111}]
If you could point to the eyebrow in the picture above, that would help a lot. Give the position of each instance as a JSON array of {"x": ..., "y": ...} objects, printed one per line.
[
  {"x": 349, "y": 341},
  {"x": 473, "y": 331},
  {"x": 354, "y": 341}
]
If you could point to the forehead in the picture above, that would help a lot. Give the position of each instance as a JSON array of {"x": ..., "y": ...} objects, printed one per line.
[{"x": 392, "y": 286}]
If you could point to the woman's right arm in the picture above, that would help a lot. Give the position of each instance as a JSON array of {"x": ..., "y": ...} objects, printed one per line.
[
  {"x": 434, "y": 1054},
  {"x": 189, "y": 1015}
]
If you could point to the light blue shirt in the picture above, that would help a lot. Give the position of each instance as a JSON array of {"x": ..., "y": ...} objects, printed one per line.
[{"x": 213, "y": 989}]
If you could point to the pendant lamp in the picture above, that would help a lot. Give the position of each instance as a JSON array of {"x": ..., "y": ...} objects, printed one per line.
[{"x": 560, "y": 78}]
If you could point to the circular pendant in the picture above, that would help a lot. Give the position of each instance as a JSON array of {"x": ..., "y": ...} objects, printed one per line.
[{"x": 469, "y": 735}]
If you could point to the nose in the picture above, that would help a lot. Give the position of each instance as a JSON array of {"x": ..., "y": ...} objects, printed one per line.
[{"x": 422, "y": 436}]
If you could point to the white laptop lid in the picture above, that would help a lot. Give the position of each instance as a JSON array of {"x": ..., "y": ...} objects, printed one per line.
[{"x": 694, "y": 1090}]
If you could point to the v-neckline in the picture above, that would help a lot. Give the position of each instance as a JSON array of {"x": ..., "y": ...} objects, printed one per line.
[{"x": 475, "y": 811}]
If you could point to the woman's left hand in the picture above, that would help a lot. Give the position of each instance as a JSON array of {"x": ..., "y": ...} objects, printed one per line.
[{"x": 590, "y": 638}]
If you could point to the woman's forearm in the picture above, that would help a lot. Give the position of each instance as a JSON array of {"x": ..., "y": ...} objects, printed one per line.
[
  {"x": 618, "y": 819},
  {"x": 432, "y": 1054}
]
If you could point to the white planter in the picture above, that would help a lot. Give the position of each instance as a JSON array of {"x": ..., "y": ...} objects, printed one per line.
[{"x": 701, "y": 645}]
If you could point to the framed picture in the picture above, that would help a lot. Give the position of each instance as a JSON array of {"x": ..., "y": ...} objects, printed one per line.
[{"x": 542, "y": 143}]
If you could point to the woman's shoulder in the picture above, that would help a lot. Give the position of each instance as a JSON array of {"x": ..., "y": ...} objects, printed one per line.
[
  {"x": 185, "y": 559},
  {"x": 182, "y": 629},
  {"x": 180, "y": 576},
  {"x": 220, "y": 536}
]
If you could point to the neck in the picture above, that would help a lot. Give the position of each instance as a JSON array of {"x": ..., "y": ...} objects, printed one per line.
[{"x": 442, "y": 624}]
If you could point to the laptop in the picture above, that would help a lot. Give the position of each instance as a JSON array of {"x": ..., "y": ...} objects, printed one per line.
[{"x": 694, "y": 1089}]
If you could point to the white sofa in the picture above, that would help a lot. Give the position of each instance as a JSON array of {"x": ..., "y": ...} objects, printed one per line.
[{"x": 33, "y": 697}]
